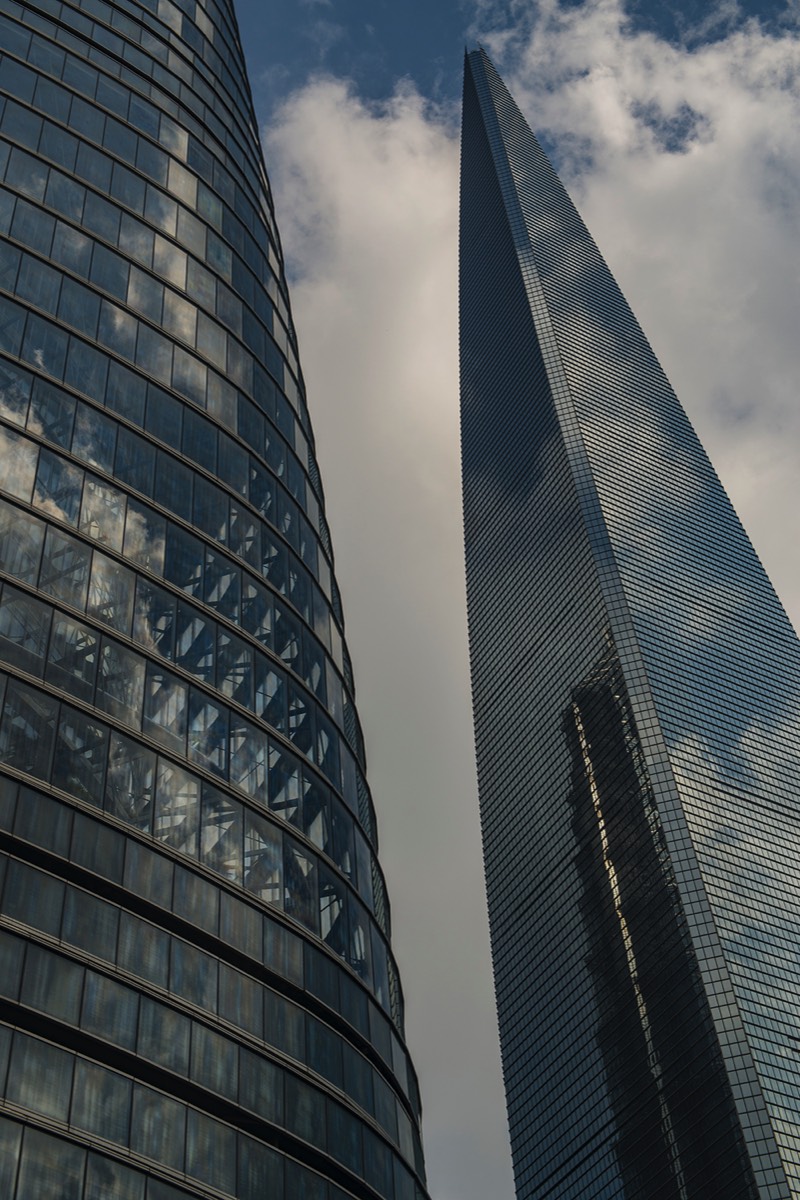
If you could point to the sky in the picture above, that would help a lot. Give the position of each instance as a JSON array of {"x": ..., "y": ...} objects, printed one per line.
[{"x": 676, "y": 129}]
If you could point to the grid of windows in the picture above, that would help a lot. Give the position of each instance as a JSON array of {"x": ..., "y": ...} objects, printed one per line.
[
  {"x": 177, "y": 690},
  {"x": 635, "y": 689}
]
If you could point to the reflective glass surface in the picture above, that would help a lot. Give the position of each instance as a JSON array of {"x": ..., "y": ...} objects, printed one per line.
[
  {"x": 184, "y": 806},
  {"x": 636, "y": 694}
]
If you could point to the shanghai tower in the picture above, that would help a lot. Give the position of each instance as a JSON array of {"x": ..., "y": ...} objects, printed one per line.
[
  {"x": 636, "y": 703},
  {"x": 198, "y": 996}
]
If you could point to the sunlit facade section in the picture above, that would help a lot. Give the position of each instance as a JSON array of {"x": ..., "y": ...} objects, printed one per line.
[
  {"x": 636, "y": 699},
  {"x": 197, "y": 990}
]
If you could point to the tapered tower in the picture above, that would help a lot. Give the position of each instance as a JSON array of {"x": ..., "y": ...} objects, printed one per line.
[
  {"x": 635, "y": 685},
  {"x": 198, "y": 991}
]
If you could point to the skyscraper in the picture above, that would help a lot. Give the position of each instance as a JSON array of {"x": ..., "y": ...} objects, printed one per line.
[
  {"x": 198, "y": 990},
  {"x": 635, "y": 687}
]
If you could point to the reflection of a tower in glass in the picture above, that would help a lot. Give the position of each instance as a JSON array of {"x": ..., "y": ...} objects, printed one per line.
[
  {"x": 635, "y": 686},
  {"x": 198, "y": 995}
]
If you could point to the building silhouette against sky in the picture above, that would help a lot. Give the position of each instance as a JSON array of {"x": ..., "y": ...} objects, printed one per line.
[
  {"x": 197, "y": 990},
  {"x": 635, "y": 687}
]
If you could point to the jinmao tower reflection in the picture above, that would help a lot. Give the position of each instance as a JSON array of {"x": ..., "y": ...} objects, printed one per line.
[
  {"x": 637, "y": 714},
  {"x": 197, "y": 990}
]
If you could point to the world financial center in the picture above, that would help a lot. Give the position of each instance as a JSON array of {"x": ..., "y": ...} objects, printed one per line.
[
  {"x": 637, "y": 711},
  {"x": 197, "y": 990}
]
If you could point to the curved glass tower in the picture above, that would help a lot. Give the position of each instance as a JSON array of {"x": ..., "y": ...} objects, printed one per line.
[
  {"x": 636, "y": 688},
  {"x": 197, "y": 991}
]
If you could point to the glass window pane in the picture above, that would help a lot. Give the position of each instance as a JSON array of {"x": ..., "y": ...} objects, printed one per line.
[
  {"x": 194, "y": 643},
  {"x": 10, "y": 1141},
  {"x": 90, "y": 924},
  {"x": 24, "y": 628},
  {"x": 40, "y": 1078},
  {"x": 263, "y": 859},
  {"x": 33, "y": 898},
  {"x": 211, "y": 1152},
  {"x": 235, "y": 668},
  {"x": 193, "y": 975},
  {"x": 50, "y": 1167},
  {"x": 27, "y": 731},
  {"x": 72, "y": 660},
  {"x": 120, "y": 683},
  {"x": 241, "y": 1002},
  {"x": 21, "y": 539},
  {"x": 79, "y": 764},
  {"x": 12, "y": 951},
  {"x": 110, "y": 1010},
  {"x": 52, "y": 413},
  {"x": 164, "y": 1036},
  {"x": 248, "y": 759},
  {"x": 300, "y": 886},
  {"x": 222, "y": 838},
  {"x": 305, "y": 1110},
  {"x": 284, "y": 1025},
  {"x": 102, "y": 1102},
  {"x": 44, "y": 821},
  {"x": 148, "y": 873},
  {"x": 19, "y": 463},
  {"x": 98, "y": 847},
  {"x": 144, "y": 951},
  {"x": 103, "y": 513},
  {"x": 165, "y": 708},
  {"x": 184, "y": 561},
  {"x": 94, "y": 439},
  {"x": 154, "y": 618},
  {"x": 214, "y": 1062},
  {"x": 177, "y": 814},
  {"x": 130, "y": 782},
  {"x": 145, "y": 534},
  {"x": 158, "y": 1127},
  {"x": 106, "y": 1178},
  {"x": 65, "y": 568},
  {"x": 261, "y": 1173},
  {"x": 196, "y": 899},
  {"x": 110, "y": 598},
  {"x": 135, "y": 461},
  {"x": 208, "y": 733}
]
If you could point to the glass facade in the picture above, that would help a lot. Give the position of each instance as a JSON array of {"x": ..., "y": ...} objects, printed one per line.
[
  {"x": 635, "y": 687},
  {"x": 198, "y": 995}
]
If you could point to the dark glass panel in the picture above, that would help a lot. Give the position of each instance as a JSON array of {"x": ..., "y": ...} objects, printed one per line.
[
  {"x": 214, "y": 1062},
  {"x": 130, "y": 782},
  {"x": 164, "y": 1036},
  {"x": 50, "y": 1167},
  {"x": 120, "y": 683},
  {"x": 72, "y": 659},
  {"x": 144, "y": 951},
  {"x": 21, "y": 540},
  {"x": 102, "y": 1102},
  {"x": 27, "y": 730},
  {"x": 263, "y": 859},
  {"x": 24, "y": 630},
  {"x": 79, "y": 763},
  {"x": 177, "y": 811},
  {"x": 110, "y": 1010},
  {"x": 106, "y": 1178},
  {"x": 90, "y": 924},
  {"x": 33, "y": 898},
  {"x": 260, "y": 1172},
  {"x": 40, "y": 1078},
  {"x": 65, "y": 568},
  {"x": 211, "y": 1151},
  {"x": 158, "y": 1127}
]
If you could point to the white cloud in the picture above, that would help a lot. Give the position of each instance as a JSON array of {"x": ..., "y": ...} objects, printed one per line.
[{"x": 704, "y": 242}]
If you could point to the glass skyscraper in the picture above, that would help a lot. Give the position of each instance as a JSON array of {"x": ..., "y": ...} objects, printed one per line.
[
  {"x": 197, "y": 990},
  {"x": 637, "y": 714}
]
